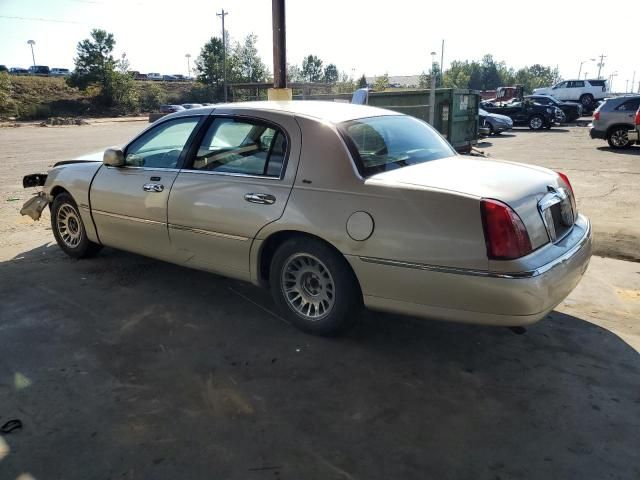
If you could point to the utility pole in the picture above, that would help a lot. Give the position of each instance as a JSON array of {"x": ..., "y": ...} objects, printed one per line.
[
  {"x": 601, "y": 64},
  {"x": 442, "y": 63},
  {"x": 633, "y": 82},
  {"x": 188, "y": 57},
  {"x": 279, "y": 90},
  {"x": 33, "y": 57},
  {"x": 432, "y": 91},
  {"x": 223, "y": 14}
]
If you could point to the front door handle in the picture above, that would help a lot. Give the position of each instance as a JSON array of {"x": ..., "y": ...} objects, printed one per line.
[
  {"x": 261, "y": 198},
  {"x": 153, "y": 187}
]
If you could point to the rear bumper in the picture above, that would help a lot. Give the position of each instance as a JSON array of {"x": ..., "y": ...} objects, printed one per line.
[
  {"x": 479, "y": 297},
  {"x": 597, "y": 134}
]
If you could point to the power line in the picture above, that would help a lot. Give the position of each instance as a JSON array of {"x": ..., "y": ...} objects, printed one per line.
[{"x": 39, "y": 19}]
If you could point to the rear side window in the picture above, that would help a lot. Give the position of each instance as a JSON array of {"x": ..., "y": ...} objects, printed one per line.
[
  {"x": 242, "y": 146},
  {"x": 385, "y": 143},
  {"x": 597, "y": 83},
  {"x": 630, "y": 105}
]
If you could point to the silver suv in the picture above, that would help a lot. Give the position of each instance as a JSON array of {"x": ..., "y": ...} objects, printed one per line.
[{"x": 613, "y": 119}]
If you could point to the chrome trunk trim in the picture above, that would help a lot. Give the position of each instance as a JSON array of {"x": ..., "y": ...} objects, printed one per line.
[{"x": 486, "y": 273}]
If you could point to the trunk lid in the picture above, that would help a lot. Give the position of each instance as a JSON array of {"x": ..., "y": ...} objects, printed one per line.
[{"x": 518, "y": 185}]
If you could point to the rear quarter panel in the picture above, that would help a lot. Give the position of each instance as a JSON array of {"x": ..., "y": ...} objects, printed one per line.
[{"x": 410, "y": 224}]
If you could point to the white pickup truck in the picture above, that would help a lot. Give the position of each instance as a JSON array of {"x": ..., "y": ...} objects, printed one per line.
[{"x": 587, "y": 92}]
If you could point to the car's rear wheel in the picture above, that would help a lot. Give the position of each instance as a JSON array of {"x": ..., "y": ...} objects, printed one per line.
[
  {"x": 314, "y": 287},
  {"x": 586, "y": 100},
  {"x": 68, "y": 228},
  {"x": 536, "y": 122},
  {"x": 618, "y": 137}
]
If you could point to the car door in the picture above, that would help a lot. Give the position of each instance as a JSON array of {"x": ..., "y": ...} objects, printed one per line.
[
  {"x": 129, "y": 203},
  {"x": 237, "y": 179},
  {"x": 559, "y": 91}
]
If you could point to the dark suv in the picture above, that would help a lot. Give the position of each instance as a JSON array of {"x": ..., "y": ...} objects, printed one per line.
[
  {"x": 613, "y": 120},
  {"x": 39, "y": 70}
]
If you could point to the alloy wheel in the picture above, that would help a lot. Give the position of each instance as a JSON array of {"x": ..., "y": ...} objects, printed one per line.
[
  {"x": 69, "y": 225},
  {"x": 308, "y": 286},
  {"x": 620, "y": 138}
]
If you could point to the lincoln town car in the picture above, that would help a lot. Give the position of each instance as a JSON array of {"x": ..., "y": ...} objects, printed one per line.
[{"x": 331, "y": 206}]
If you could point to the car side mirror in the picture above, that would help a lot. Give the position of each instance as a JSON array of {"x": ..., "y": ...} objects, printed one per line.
[{"x": 113, "y": 157}]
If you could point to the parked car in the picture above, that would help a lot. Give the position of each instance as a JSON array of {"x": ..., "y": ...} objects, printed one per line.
[
  {"x": 154, "y": 76},
  {"x": 495, "y": 123},
  {"x": 3, "y": 68},
  {"x": 18, "y": 71},
  {"x": 526, "y": 112},
  {"x": 572, "y": 111},
  {"x": 332, "y": 206},
  {"x": 613, "y": 120},
  {"x": 171, "y": 108},
  {"x": 634, "y": 134},
  {"x": 39, "y": 70},
  {"x": 59, "y": 72},
  {"x": 584, "y": 91},
  {"x": 169, "y": 78},
  {"x": 189, "y": 106}
]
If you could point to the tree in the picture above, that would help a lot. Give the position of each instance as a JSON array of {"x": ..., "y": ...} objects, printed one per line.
[
  {"x": 6, "y": 103},
  {"x": 330, "y": 74},
  {"x": 362, "y": 82},
  {"x": 247, "y": 62},
  {"x": 210, "y": 63},
  {"x": 94, "y": 61},
  {"x": 345, "y": 84},
  {"x": 312, "y": 69},
  {"x": 294, "y": 74},
  {"x": 489, "y": 74},
  {"x": 382, "y": 82}
]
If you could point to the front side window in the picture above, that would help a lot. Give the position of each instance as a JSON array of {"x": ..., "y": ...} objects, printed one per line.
[
  {"x": 560, "y": 85},
  {"x": 576, "y": 84},
  {"x": 389, "y": 142},
  {"x": 161, "y": 147},
  {"x": 242, "y": 146}
]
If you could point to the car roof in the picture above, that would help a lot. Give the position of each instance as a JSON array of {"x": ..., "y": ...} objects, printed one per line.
[{"x": 333, "y": 112}]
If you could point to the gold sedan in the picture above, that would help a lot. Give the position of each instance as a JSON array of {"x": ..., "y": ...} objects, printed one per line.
[{"x": 332, "y": 206}]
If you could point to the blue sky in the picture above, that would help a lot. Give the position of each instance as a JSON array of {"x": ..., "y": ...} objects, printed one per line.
[{"x": 359, "y": 36}]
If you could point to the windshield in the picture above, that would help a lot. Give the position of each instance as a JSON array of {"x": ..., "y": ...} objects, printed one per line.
[{"x": 386, "y": 143}]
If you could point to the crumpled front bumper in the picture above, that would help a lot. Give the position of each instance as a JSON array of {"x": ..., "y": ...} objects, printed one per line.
[{"x": 35, "y": 205}]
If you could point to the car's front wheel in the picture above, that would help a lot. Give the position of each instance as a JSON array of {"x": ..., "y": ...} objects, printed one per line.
[
  {"x": 536, "y": 122},
  {"x": 619, "y": 138},
  {"x": 69, "y": 230},
  {"x": 314, "y": 287}
]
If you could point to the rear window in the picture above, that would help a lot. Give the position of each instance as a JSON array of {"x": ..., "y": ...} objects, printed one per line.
[
  {"x": 385, "y": 143},
  {"x": 597, "y": 83}
]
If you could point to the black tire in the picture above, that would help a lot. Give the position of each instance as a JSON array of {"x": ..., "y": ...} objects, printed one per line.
[
  {"x": 343, "y": 299},
  {"x": 586, "y": 100},
  {"x": 490, "y": 127},
  {"x": 536, "y": 122},
  {"x": 69, "y": 230},
  {"x": 618, "y": 137}
]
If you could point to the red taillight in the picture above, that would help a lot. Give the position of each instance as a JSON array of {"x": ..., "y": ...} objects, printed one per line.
[
  {"x": 596, "y": 116},
  {"x": 638, "y": 117},
  {"x": 504, "y": 233},
  {"x": 565, "y": 179}
]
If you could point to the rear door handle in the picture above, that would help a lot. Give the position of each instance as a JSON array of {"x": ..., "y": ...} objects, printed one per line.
[
  {"x": 261, "y": 198},
  {"x": 153, "y": 187}
]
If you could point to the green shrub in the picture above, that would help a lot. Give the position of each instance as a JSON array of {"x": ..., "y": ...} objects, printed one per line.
[
  {"x": 151, "y": 97},
  {"x": 7, "y": 105}
]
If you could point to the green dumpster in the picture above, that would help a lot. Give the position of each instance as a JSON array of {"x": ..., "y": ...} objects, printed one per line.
[{"x": 456, "y": 110}]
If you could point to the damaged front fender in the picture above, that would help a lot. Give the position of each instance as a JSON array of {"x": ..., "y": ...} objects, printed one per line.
[{"x": 35, "y": 205}]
